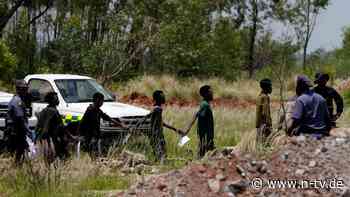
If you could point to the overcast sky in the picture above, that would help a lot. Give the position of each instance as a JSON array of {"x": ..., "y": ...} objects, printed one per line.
[{"x": 328, "y": 32}]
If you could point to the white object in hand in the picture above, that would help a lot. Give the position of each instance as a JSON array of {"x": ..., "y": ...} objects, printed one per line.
[
  {"x": 78, "y": 149},
  {"x": 184, "y": 140}
]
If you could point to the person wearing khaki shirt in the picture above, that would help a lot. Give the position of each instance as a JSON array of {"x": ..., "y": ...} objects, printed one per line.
[{"x": 263, "y": 114}]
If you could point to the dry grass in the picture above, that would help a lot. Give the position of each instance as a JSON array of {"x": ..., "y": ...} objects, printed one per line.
[
  {"x": 75, "y": 177},
  {"x": 187, "y": 89}
]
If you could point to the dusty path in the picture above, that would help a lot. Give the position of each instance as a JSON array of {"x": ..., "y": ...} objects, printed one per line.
[{"x": 310, "y": 162}]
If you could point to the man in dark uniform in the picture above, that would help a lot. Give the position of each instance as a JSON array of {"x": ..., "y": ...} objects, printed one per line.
[
  {"x": 90, "y": 125},
  {"x": 18, "y": 120},
  {"x": 205, "y": 118},
  {"x": 310, "y": 115},
  {"x": 331, "y": 96}
]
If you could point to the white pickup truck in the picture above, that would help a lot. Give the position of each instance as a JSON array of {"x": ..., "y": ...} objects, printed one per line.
[{"x": 75, "y": 95}]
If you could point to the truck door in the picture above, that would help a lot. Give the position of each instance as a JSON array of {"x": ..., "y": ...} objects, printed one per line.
[{"x": 42, "y": 87}]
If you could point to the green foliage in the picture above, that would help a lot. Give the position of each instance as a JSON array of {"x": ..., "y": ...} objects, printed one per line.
[
  {"x": 23, "y": 44},
  {"x": 8, "y": 62},
  {"x": 104, "y": 183},
  {"x": 66, "y": 53},
  {"x": 342, "y": 55},
  {"x": 346, "y": 96},
  {"x": 117, "y": 40}
]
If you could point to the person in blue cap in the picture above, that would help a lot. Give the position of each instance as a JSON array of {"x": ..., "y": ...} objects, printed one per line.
[
  {"x": 311, "y": 114},
  {"x": 18, "y": 121},
  {"x": 331, "y": 95}
]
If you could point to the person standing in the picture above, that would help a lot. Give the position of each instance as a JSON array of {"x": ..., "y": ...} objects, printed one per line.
[
  {"x": 156, "y": 135},
  {"x": 205, "y": 118},
  {"x": 50, "y": 130},
  {"x": 263, "y": 113},
  {"x": 90, "y": 125},
  {"x": 331, "y": 95},
  {"x": 18, "y": 121}
]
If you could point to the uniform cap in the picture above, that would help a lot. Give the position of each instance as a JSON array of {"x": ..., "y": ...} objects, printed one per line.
[
  {"x": 20, "y": 83},
  {"x": 303, "y": 80}
]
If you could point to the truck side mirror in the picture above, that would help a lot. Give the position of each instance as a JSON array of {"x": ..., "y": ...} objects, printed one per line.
[{"x": 35, "y": 95}]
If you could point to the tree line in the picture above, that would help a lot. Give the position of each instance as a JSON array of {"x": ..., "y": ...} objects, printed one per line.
[{"x": 117, "y": 39}]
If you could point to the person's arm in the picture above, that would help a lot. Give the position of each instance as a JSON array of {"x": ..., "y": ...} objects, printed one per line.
[
  {"x": 258, "y": 112},
  {"x": 118, "y": 122},
  {"x": 115, "y": 121},
  {"x": 140, "y": 122},
  {"x": 296, "y": 117},
  {"x": 294, "y": 124},
  {"x": 281, "y": 119},
  {"x": 201, "y": 112},
  {"x": 339, "y": 103},
  {"x": 327, "y": 116},
  {"x": 173, "y": 128}
]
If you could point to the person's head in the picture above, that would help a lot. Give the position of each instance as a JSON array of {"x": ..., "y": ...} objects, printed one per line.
[
  {"x": 98, "y": 99},
  {"x": 21, "y": 88},
  {"x": 52, "y": 99},
  {"x": 303, "y": 84},
  {"x": 158, "y": 97},
  {"x": 321, "y": 79},
  {"x": 206, "y": 92},
  {"x": 266, "y": 86}
]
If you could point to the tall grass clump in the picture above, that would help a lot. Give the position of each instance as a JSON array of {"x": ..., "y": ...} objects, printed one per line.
[{"x": 74, "y": 177}]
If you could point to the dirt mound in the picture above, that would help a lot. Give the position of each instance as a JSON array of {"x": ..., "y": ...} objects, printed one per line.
[
  {"x": 305, "y": 166},
  {"x": 136, "y": 98}
]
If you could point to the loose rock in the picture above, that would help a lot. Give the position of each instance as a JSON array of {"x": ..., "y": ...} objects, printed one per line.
[
  {"x": 301, "y": 139},
  {"x": 346, "y": 193},
  {"x": 285, "y": 156},
  {"x": 262, "y": 167},
  {"x": 324, "y": 149},
  {"x": 214, "y": 185},
  {"x": 236, "y": 187},
  {"x": 220, "y": 177},
  {"x": 240, "y": 170},
  {"x": 312, "y": 164},
  {"x": 161, "y": 186},
  {"x": 299, "y": 172}
]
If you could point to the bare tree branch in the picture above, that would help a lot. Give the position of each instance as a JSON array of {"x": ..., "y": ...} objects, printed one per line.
[
  {"x": 5, "y": 19},
  {"x": 48, "y": 6}
]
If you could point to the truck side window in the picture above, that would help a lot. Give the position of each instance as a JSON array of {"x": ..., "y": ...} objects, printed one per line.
[{"x": 42, "y": 86}]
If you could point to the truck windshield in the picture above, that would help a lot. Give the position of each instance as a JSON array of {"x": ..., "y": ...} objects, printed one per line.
[{"x": 81, "y": 90}]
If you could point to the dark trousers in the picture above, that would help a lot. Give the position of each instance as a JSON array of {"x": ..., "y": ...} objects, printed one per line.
[
  {"x": 21, "y": 146},
  {"x": 91, "y": 145},
  {"x": 61, "y": 147},
  {"x": 306, "y": 130},
  {"x": 206, "y": 143}
]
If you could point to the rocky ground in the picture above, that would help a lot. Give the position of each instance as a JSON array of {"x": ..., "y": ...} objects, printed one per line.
[{"x": 304, "y": 159}]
